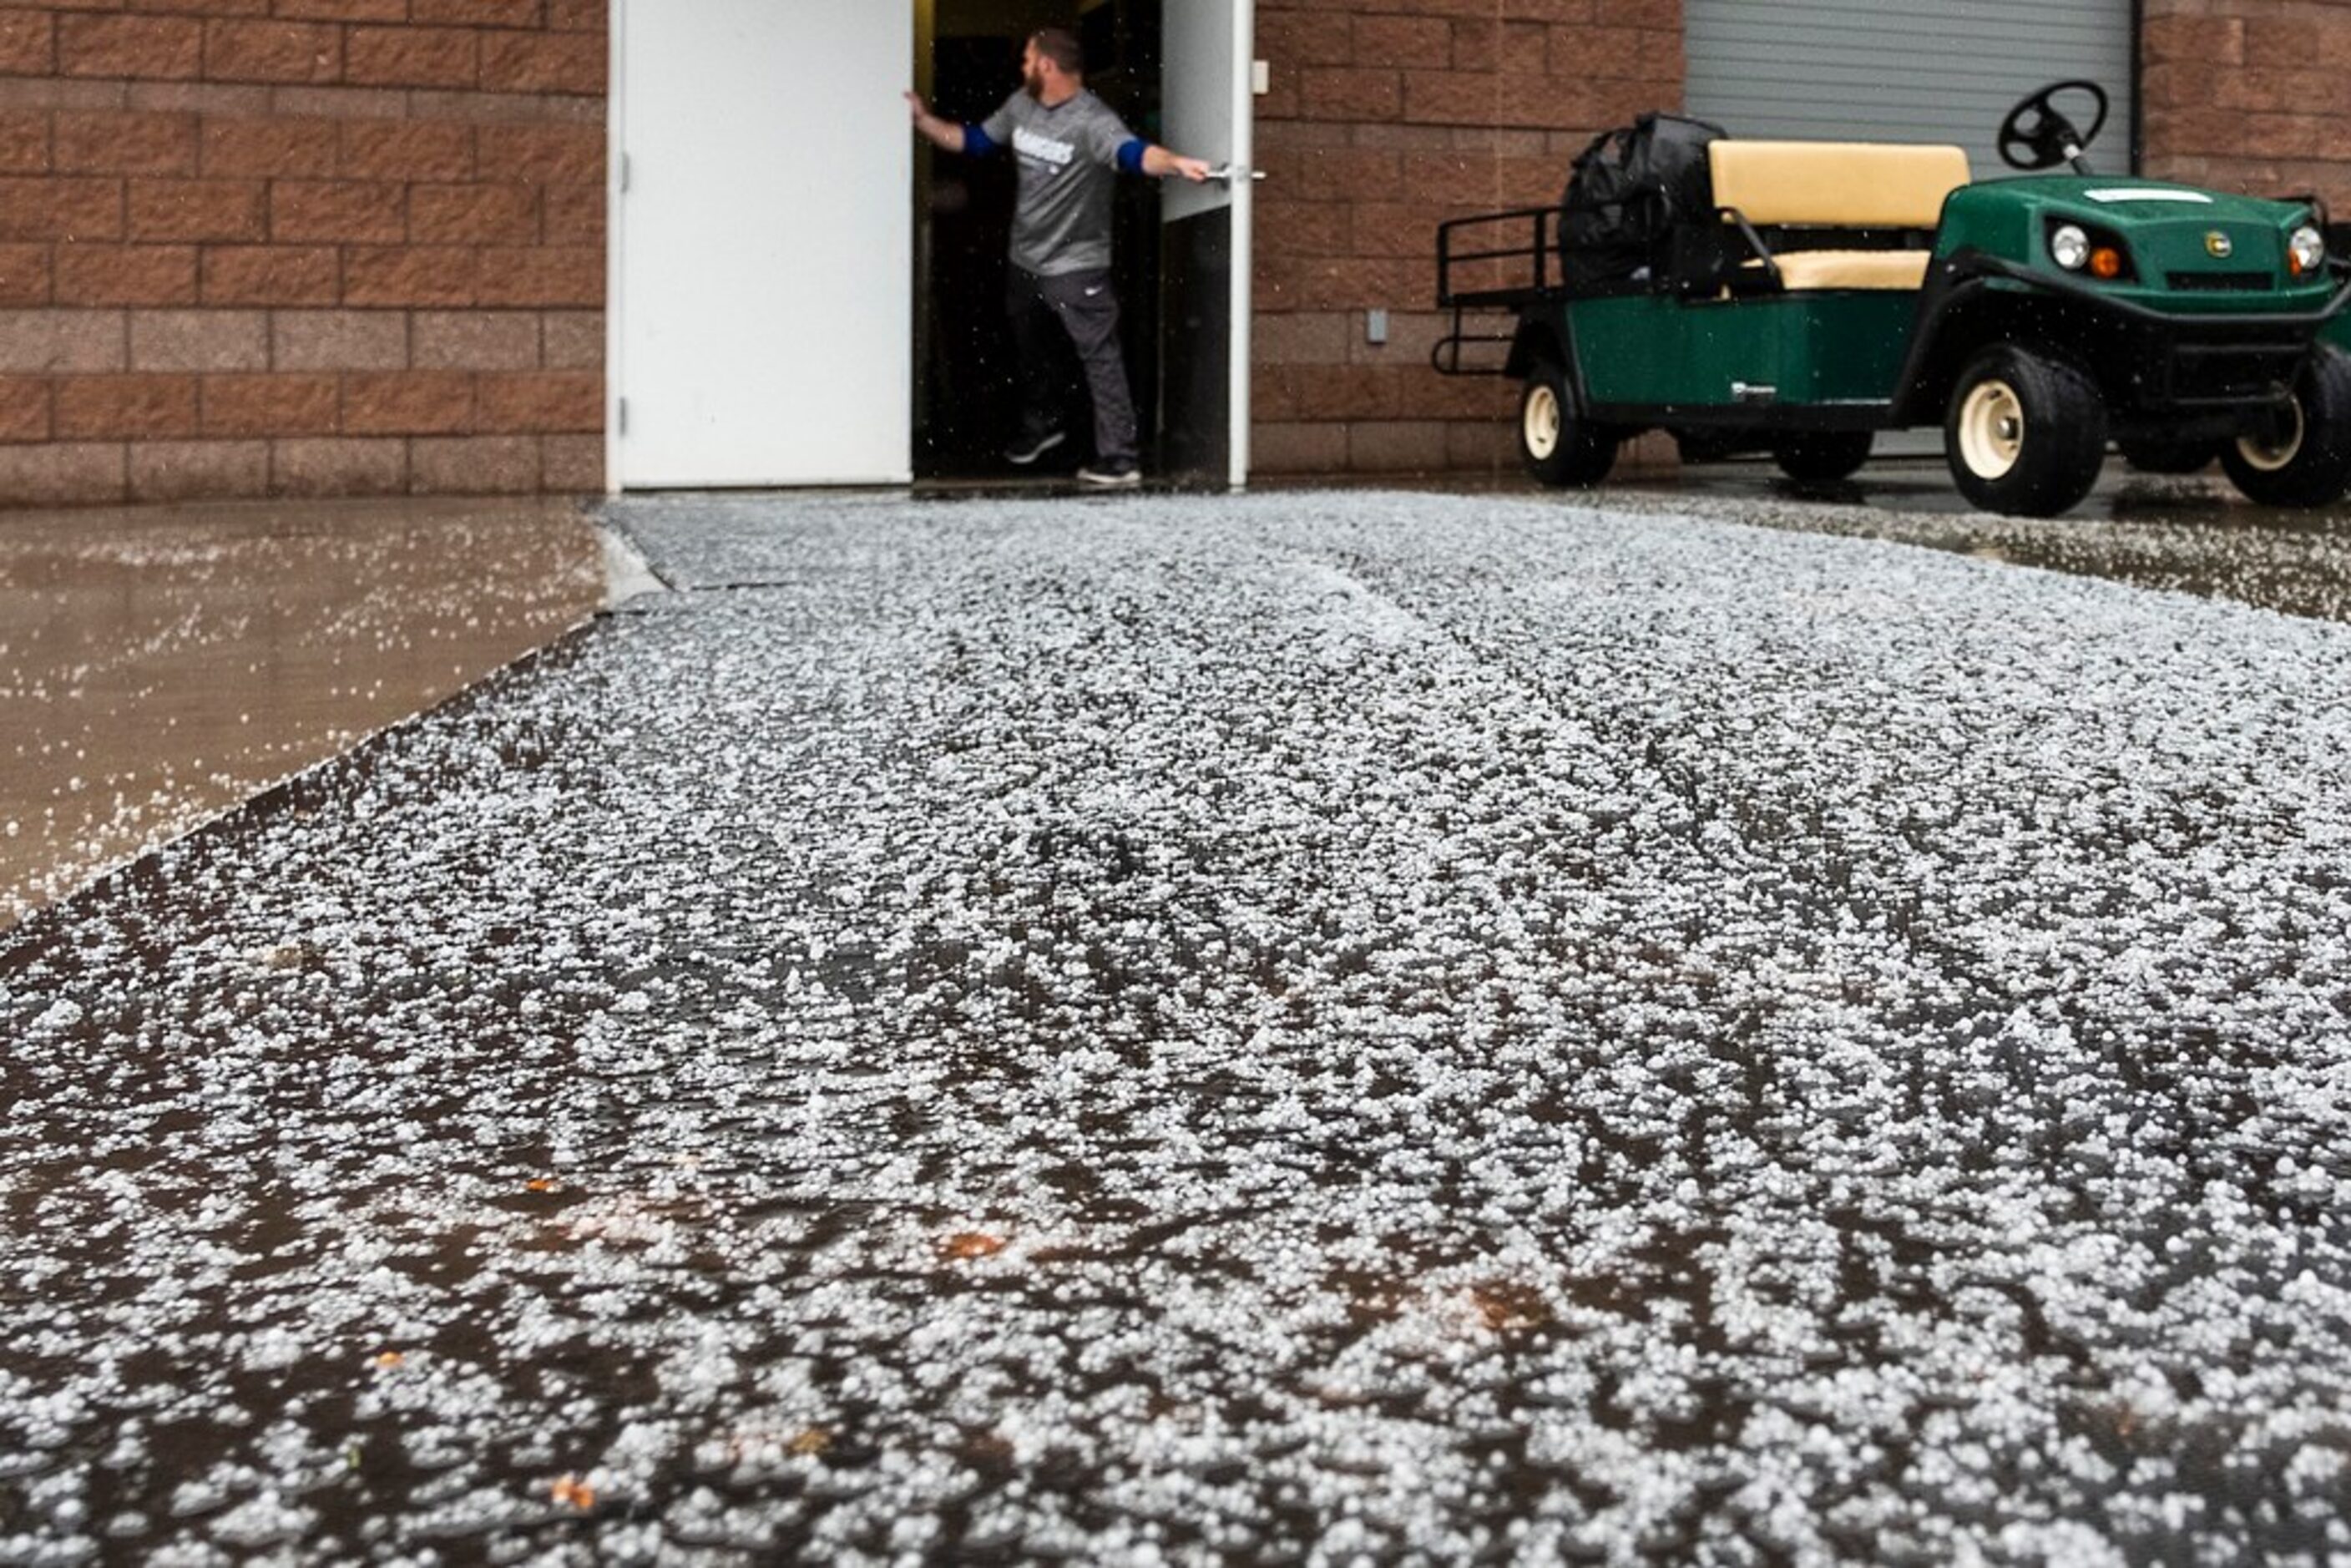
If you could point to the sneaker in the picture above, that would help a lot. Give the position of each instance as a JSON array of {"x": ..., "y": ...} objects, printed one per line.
[
  {"x": 1029, "y": 448},
  {"x": 1118, "y": 474}
]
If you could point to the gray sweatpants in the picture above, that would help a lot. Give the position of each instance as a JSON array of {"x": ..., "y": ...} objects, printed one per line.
[{"x": 1084, "y": 306}]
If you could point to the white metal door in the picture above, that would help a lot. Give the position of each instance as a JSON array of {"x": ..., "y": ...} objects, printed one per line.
[
  {"x": 1206, "y": 106},
  {"x": 762, "y": 329}
]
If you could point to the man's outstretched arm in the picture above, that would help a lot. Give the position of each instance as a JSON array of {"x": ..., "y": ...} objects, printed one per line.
[
  {"x": 1137, "y": 156},
  {"x": 941, "y": 133},
  {"x": 1158, "y": 163}
]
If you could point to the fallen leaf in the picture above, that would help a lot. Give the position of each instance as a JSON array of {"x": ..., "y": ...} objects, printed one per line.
[
  {"x": 389, "y": 1359},
  {"x": 540, "y": 1183},
  {"x": 1505, "y": 1307},
  {"x": 815, "y": 1440},
  {"x": 573, "y": 1492},
  {"x": 972, "y": 1244}
]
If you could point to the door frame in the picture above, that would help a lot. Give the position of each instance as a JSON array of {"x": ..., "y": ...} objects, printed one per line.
[
  {"x": 1239, "y": 204},
  {"x": 616, "y": 184},
  {"x": 1243, "y": 306}
]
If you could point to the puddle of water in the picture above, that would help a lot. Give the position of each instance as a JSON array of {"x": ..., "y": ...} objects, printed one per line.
[{"x": 159, "y": 666}]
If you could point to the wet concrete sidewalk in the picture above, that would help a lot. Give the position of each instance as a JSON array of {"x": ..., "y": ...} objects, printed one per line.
[
  {"x": 1303, "y": 1025},
  {"x": 159, "y": 666}
]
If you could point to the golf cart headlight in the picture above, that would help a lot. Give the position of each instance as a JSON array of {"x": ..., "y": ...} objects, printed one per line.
[
  {"x": 2069, "y": 247},
  {"x": 2305, "y": 251}
]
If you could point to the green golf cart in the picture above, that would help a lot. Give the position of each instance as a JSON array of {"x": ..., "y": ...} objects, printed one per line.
[
  {"x": 2339, "y": 244},
  {"x": 1797, "y": 297}
]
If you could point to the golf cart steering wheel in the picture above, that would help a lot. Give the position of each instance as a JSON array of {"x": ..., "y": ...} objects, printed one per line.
[{"x": 2048, "y": 138}]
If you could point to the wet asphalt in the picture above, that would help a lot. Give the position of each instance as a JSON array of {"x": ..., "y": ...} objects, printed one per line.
[
  {"x": 2186, "y": 535},
  {"x": 1287, "y": 1026}
]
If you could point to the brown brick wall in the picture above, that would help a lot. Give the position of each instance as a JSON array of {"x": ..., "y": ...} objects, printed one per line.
[
  {"x": 2249, "y": 95},
  {"x": 304, "y": 248},
  {"x": 343, "y": 246},
  {"x": 1384, "y": 118}
]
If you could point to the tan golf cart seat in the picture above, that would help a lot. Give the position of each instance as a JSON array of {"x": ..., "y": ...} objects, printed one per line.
[{"x": 1785, "y": 189}]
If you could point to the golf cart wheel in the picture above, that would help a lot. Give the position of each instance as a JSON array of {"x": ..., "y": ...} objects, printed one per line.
[
  {"x": 2308, "y": 463},
  {"x": 1559, "y": 446},
  {"x": 1823, "y": 456},
  {"x": 2169, "y": 456},
  {"x": 2025, "y": 434}
]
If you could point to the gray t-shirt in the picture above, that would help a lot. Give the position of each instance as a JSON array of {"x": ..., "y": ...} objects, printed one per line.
[{"x": 1069, "y": 163}]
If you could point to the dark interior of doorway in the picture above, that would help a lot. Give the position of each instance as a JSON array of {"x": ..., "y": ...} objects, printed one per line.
[{"x": 965, "y": 383}]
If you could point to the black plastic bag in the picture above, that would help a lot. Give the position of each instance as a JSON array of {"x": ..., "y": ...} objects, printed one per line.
[{"x": 1630, "y": 186}]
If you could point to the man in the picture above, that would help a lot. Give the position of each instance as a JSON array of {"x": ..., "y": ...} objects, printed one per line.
[{"x": 1071, "y": 146}]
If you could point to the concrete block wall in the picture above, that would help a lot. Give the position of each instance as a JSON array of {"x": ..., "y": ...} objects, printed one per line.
[
  {"x": 1384, "y": 118},
  {"x": 301, "y": 247},
  {"x": 2249, "y": 95}
]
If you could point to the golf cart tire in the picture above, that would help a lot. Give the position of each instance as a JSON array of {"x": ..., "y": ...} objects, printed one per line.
[
  {"x": 1823, "y": 456},
  {"x": 2025, "y": 434},
  {"x": 1559, "y": 446},
  {"x": 2169, "y": 456},
  {"x": 2314, "y": 469}
]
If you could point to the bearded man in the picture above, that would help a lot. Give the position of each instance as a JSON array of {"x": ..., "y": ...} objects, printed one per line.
[{"x": 1070, "y": 148}]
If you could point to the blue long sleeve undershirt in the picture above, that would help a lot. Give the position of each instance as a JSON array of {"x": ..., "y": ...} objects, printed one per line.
[{"x": 978, "y": 144}]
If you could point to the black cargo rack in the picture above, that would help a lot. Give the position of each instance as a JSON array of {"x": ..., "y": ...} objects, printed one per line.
[
  {"x": 1535, "y": 230},
  {"x": 1539, "y": 250}
]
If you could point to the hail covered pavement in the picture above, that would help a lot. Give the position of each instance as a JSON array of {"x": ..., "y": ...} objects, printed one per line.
[{"x": 1307, "y": 1025}]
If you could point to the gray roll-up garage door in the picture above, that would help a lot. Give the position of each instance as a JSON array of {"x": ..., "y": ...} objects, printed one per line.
[{"x": 1905, "y": 71}]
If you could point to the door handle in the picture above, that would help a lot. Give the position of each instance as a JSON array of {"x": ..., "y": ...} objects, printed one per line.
[{"x": 1229, "y": 173}]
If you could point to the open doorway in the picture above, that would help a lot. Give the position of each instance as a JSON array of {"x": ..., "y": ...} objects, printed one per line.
[{"x": 967, "y": 58}]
